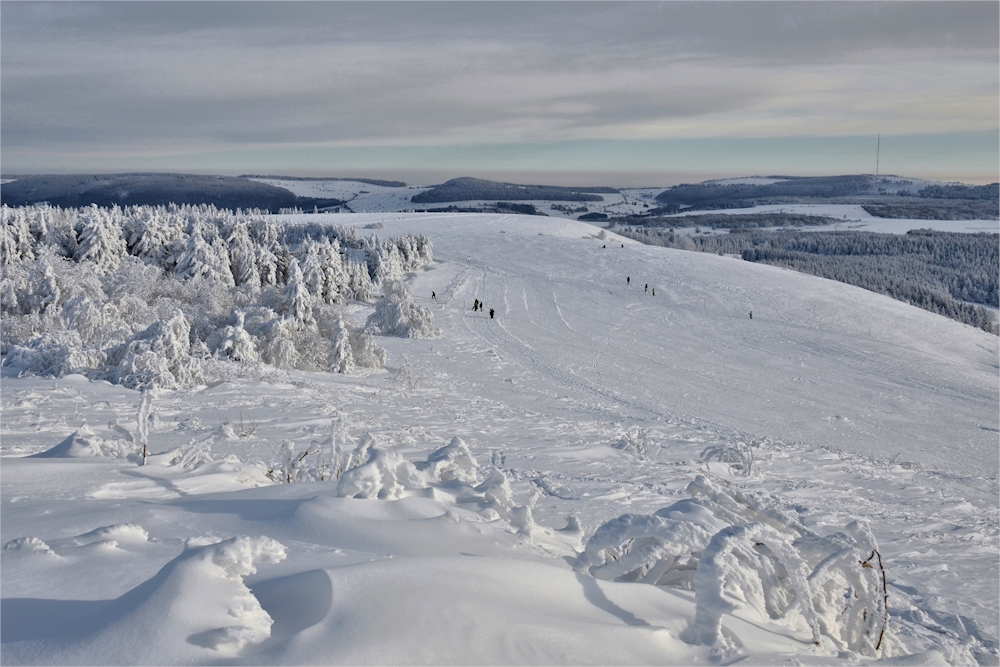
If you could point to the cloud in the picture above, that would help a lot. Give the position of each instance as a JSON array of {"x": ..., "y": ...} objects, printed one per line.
[{"x": 175, "y": 77}]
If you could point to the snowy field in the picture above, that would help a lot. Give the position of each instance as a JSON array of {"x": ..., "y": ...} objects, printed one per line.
[{"x": 835, "y": 418}]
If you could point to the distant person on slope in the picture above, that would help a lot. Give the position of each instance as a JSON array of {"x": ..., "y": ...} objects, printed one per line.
[
  {"x": 475, "y": 305},
  {"x": 434, "y": 296},
  {"x": 491, "y": 313},
  {"x": 628, "y": 280}
]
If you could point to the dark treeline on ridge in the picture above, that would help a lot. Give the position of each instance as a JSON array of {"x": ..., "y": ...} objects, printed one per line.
[
  {"x": 475, "y": 189},
  {"x": 943, "y": 272},
  {"x": 913, "y": 199},
  {"x": 223, "y": 192}
]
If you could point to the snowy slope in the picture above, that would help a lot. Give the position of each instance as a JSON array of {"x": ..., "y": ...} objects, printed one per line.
[{"x": 862, "y": 408}]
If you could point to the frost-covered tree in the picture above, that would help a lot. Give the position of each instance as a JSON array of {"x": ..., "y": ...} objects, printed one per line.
[
  {"x": 341, "y": 353},
  {"x": 298, "y": 302},
  {"x": 159, "y": 356},
  {"x": 101, "y": 239},
  {"x": 312, "y": 270},
  {"x": 201, "y": 259},
  {"x": 398, "y": 315},
  {"x": 234, "y": 343},
  {"x": 243, "y": 257},
  {"x": 152, "y": 235}
]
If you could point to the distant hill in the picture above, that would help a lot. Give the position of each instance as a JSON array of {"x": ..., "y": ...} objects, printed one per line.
[
  {"x": 472, "y": 189},
  {"x": 917, "y": 199},
  {"x": 75, "y": 190},
  {"x": 369, "y": 181}
]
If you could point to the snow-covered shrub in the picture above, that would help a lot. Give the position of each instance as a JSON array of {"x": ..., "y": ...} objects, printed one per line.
[
  {"x": 159, "y": 356},
  {"x": 56, "y": 354},
  {"x": 385, "y": 475},
  {"x": 366, "y": 353},
  {"x": 233, "y": 342},
  {"x": 738, "y": 555},
  {"x": 398, "y": 315},
  {"x": 295, "y": 465},
  {"x": 740, "y": 453},
  {"x": 452, "y": 462},
  {"x": 634, "y": 441},
  {"x": 191, "y": 455}
]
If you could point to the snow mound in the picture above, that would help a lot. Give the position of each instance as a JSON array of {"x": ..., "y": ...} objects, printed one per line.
[
  {"x": 119, "y": 532},
  {"x": 194, "y": 610},
  {"x": 29, "y": 545},
  {"x": 85, "y": 444}
]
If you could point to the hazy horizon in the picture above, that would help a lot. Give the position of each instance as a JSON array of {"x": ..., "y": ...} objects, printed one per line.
[{"x": 621, "y": 94}]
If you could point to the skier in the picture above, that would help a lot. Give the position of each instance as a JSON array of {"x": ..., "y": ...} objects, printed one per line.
[
  {"x": 434, "y": 296},
  {"x": 475, "y": 305},
  {"x": 647, "y": 287},
  {"x": 654, "y": 291},
  {"x": 751, "y": 314},
  {"x": 628, "y": 279},
  {"x": 491, "y": 313}
]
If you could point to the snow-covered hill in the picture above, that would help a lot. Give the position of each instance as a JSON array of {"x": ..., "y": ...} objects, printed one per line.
[{"x": 594, "y": 398}]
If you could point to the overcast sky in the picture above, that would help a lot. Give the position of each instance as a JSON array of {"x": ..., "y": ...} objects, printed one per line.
[{"x": 631, "y": 93}]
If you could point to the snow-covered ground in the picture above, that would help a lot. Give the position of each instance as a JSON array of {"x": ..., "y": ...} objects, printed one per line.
[{"x": 857, "y": 407}]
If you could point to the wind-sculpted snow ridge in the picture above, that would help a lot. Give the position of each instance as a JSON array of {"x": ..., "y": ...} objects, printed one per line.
[
  {"x": 196, "y": 609},
  {"x": 143, "y": 296}
]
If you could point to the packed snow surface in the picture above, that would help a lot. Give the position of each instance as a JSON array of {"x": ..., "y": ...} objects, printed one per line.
[{"x": 594, "y": 474}]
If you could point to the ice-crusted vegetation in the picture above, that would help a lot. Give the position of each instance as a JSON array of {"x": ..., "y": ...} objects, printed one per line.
[{"x": 142, "y": 296}]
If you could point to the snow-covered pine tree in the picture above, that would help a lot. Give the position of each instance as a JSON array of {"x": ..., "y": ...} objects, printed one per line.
[
  {"x": 312, "y": 269},
  {"x": 243, "y": 256},
  {"x": 201, "y": 259},
  {"x": 101, "y": 239},
  {"x": 341, "y": 352},
  {"x": 298, "y": 302}
]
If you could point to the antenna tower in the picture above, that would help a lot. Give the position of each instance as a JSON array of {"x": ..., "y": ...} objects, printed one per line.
[{"x": 878, "y": 148}]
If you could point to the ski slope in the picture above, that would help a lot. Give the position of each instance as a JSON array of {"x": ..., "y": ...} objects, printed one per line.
[{"x": 864, "y": 408}]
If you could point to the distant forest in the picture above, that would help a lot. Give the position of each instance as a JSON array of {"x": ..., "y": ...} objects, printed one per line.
[
  {"x": 888, "y": 197},
  {"x": 472, "y": 189},
  {"x": 943, "y": 272},
  {"x": 224, "y": 192},
  {"x": 729, "y": 221},
  {"x": 369, "y": 181}
]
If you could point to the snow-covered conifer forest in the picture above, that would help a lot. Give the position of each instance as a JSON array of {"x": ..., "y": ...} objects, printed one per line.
[{"x": 244, "y": 438}]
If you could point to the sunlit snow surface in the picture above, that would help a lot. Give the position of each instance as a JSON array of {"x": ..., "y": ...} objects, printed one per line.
[{"x": 870, "y": 409}]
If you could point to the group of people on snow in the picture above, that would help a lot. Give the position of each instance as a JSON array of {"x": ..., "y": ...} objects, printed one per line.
[{"x": 479, "y": 305}]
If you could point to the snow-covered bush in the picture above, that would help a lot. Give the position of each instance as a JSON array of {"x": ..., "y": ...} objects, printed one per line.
[
  {"x": 635, "y": 441},
  {"x": 57, "y": 353},
  {"x": 385, "y": 475},
  {"x": 739, "y": 556},
  {"x": 452, "y": 462},
  {"x": 159, "y": 356},
  {"x": 398, "y": 315},
  {"x": 740, "y": 453}
]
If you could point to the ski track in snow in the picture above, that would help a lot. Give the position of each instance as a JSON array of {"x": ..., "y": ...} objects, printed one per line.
[{"x": 898, "y": 428}]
